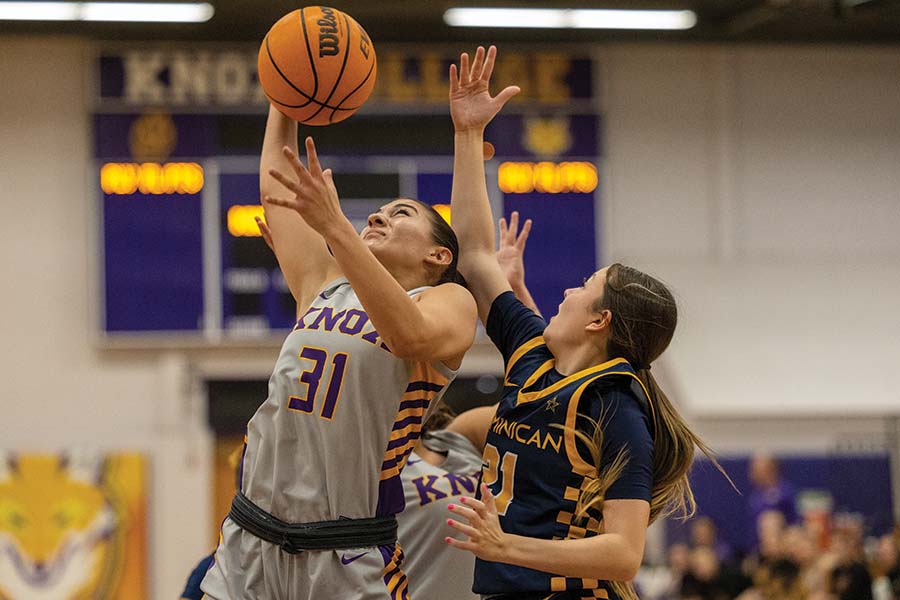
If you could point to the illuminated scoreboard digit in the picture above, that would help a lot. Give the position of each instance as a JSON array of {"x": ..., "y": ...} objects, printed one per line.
[{"x": 177, "y": 177}]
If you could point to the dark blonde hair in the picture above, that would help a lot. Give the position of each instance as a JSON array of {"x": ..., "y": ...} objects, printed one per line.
[{"x": 644, "y": 316}]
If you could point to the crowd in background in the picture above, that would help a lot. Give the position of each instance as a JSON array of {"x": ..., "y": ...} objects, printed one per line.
[{"x": 793, "y": 557}]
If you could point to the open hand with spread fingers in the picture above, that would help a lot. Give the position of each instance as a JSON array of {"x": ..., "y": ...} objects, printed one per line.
[
  {"x": 512, "y": 248},
  {"x": 471, "y": 104},
  {"x": 314, "y": 196},
  {"x": 486, "y": 539}
]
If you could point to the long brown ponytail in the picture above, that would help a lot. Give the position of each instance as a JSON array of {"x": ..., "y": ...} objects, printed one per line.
[{"x": 644, "y": 316}]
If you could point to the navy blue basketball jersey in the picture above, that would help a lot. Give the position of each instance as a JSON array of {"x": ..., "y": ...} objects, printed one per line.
[{"x": 535, "y": 463}]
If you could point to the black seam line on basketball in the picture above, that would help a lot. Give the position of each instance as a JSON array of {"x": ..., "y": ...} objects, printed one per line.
[
  {"x": 312, "y": 63},
  {"x": 340, "y": 73},
  {"x": 361, "y": 83},
  {"x": 288, "y": 81},
  {"x": 311, "y": 101}
]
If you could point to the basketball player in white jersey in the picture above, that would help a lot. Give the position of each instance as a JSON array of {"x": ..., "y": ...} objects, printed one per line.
[
  {"x": 446, "y": 464},
  {"x": 383, "y": 329}
]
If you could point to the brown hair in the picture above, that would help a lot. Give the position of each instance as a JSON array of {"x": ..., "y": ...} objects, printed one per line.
[
  {"x": 439, "y": 419},
  {"x": 644, "y": 316},
  {"x": 443, "y": 235}
]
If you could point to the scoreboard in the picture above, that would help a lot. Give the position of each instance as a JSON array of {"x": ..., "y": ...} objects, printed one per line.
[{"x": 178, "y": 184}]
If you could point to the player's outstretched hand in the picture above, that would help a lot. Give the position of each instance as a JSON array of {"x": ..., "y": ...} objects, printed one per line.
[
  {"x": 314, "y": 194},
  {"x": 471, "y": 104},
  {"x": 512, "y": 249},
  {"x": 266, "y": 233},
  {"x": 485, "y": 538}
]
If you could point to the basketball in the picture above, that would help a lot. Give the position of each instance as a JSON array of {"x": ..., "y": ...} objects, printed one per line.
[{"x": 317, "y": 65}]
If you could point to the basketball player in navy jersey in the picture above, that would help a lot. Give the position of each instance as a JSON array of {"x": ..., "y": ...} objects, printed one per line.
[
  {"x": 382, "y": 330},
  {"x": 584, "y": 450}
]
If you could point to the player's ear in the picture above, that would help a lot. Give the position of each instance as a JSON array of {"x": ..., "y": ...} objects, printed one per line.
[
  {"x": 601, "y": 323},
  {"x": 439, "y": 256}
]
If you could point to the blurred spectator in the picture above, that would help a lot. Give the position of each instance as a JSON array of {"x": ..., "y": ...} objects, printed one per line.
[
  {"x": 850, "y": 580},
  {"x": 679, "y": 564},
  {"x": 770, "y": 491},
  {"x": 703, "y": 580},
  {"x": 704, "y": 534},
  {"x": 779, "y": 579},
  {"x": 886, "y": 569},
  {"x": 800, "y": 547},
  {"x": 770, "y": 533},
  {"x": 789, "y": 565}
]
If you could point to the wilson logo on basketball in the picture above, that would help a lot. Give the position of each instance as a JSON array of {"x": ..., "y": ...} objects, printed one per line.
[
  {"x": 364, "y": 42},
  {"x": 328, "y": 38},
  {"x": 317, "y": 65}
]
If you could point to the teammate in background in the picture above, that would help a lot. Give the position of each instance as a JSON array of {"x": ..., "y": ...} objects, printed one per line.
[
  {"x": 585, "y": 449},
  {"x": 446, "y": 462},
  {"x": 383, "y": 329}
]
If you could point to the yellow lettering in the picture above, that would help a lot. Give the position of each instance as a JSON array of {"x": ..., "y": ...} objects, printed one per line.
[
  {"x": 535, "y": 439},
  {"x": 393, "y": 81},
  {"x": 406, "y": 77},
  {"x": 555, "y": 442},
  {"x": 513, "y": 69},
  {"x": 550, "y": 78},
  {"x": 433, "y": 78},
  {"x": 520, "y": 427}
]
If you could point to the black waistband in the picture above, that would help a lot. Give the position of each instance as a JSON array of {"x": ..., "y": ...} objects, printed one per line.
[{"x": 293, "y": 538}]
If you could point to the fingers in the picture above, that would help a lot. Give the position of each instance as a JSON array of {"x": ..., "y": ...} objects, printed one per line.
[
  {"x": 513, "y": 225},
  {"x": 312, "y": 158},
  {"x": 477, "y": 64},
  {"x": 286, "y": 181},
  {"x": 464, "y": 69},
  {"x": 463, "y": 528},
  {"x": 454, "y": 79},
  {"x": 328, "y": 175},
  {"x": 285, "y": 202},
  {"x": 507, "y": 93},
  {"x": 298, "y": 167},
  {"x": 501, "y": 223},
  {"x": 464, "y": 512},
  {"x": 266, "y": 233},
  {"x": 461, "y": 544},
  {"x": 488, "y": 498},
  {"x": 489, "y": 64},
  {"x": 523, "y": 236},
  {"x": 474, "y": 504}
]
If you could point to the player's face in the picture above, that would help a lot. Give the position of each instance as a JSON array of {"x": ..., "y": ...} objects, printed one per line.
[
  {"x": 576, "y": 311},
  {"x": 399, "y": 231}
]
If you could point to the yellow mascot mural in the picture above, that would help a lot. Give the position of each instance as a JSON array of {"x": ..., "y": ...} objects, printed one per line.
[{"x": 72, "y": 526}]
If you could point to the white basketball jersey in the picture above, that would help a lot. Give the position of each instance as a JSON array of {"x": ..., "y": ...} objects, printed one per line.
[
  {"x": 436, "y": 570},
  {"x": 342, "y": 416}
]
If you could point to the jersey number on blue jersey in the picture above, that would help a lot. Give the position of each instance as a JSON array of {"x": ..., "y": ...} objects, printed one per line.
[
  {"x": 494, "y": 469},
  {"x": 311, "y": 378}
]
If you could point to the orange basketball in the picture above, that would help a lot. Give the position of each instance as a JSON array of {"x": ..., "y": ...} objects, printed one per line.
[{"x": 317, "y": 65}]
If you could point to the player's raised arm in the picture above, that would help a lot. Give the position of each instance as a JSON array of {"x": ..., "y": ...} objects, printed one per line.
[
  {"x": 437, "y": 324},
  {"x": 472, "y": 108},
  {"x": 301, "y": 252}
]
